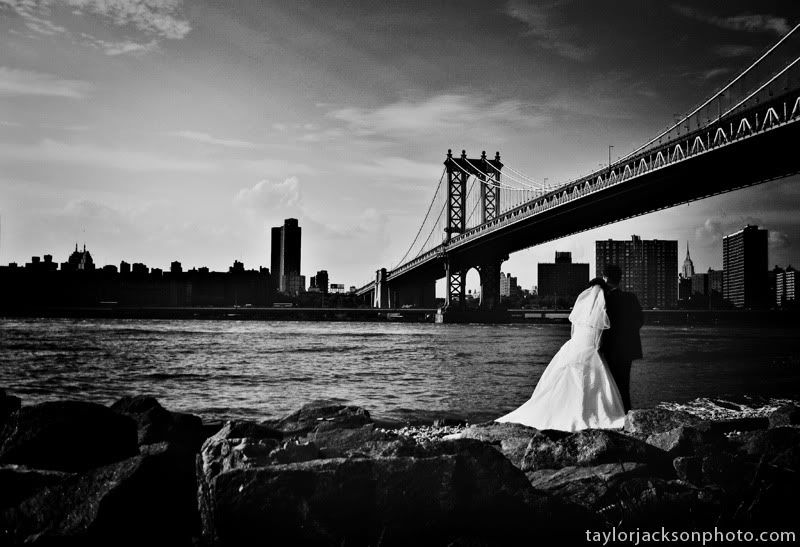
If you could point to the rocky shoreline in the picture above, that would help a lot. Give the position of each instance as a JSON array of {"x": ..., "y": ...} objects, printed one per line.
[{"x": 77, "y": 473}]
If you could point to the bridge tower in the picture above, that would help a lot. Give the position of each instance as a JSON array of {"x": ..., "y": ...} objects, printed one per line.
[
  {"x": 381, "y": 295},
  {"x": 489, "y": 174},
  {"x": 458, "y": 172},
  {"x": 455, "y": 278}
]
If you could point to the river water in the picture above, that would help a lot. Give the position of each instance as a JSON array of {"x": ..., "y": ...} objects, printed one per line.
[{"x": 258, "y": 370}]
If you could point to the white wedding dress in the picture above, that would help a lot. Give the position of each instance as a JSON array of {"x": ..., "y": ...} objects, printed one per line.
[{"x": 576, "y": 390}]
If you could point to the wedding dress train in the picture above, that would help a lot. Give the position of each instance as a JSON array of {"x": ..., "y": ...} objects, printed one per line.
[{"x": 576, "y": 390}]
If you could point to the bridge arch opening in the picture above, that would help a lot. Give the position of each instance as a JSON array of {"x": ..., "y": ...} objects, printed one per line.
[{"x": 473, "y": 288}]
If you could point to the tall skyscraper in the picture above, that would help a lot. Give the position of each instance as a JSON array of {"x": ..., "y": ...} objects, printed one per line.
[
  {"x": 745, "y": 268},
  {"x": 688, "y": 265},
  {"x": 785, "y": 287},
  {"x": 562, "y": 279},
  {"x": 285, "y": 256},
  {"x": 649, "y": 268}
]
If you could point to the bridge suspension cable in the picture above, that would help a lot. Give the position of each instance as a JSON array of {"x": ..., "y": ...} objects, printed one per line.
[
  {"x": 423, "y": 249},
  {"x": 497, "y": 184},
  {"x": 713, "y": 97},
  {"x": 763, "y": 86},
  {"x": 427, "y": 214}
]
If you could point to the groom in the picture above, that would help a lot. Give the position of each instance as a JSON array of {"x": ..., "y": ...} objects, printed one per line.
[{"x": 621, "y": 344}]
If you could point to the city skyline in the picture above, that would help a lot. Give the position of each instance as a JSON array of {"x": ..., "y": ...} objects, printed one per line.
[{"x": 185, "y": 131}]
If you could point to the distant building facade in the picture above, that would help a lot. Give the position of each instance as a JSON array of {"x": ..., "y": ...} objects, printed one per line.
[
  {"x": 685, "y": 282},
  {"x": 745, "y": 268},
  {"x": 508, "y": 285},
  {"x": 649, "y": 268},
  {"x": 562, "y": 279},
  {"x": 79, "y": 261},
  {"x": 285, "y": 257},
  {"x": 321, "y": 281},
  {"x": 785, "y": 287}
]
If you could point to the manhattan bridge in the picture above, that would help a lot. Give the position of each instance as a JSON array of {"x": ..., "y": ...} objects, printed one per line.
[{"x": 746, "y": 133}]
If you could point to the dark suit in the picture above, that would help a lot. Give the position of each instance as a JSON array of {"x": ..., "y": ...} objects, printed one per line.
[{"x": 621, "y": 343}]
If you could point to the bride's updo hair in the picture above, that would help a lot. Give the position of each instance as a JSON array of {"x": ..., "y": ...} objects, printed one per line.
[{"x": 598, "y": 281}]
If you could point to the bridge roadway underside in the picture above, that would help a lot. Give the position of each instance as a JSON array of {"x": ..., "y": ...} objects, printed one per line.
[{"x": 768, "y": 156}]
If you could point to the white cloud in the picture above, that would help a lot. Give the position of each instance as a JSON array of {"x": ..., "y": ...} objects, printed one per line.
[
  {"x": 206, "y": 138},
  {"x": 733, "y": 50},
  {"x": 123, "y": 47},
  {"x": 715, "y": 73},
  {"x": 156, "y": 18},
  {"x": 749, "y": 22},
  {"x": 398, "y": 168},
  {"x": 51, "y": 151},
  {"x": 549, "y": 34},
  {"x": 152, "y": 20},
  {"x": 441, "y": 113},
  {"x": 28, "y": 82},
  {"x": 267, "y": 196},
  {"x": 779, "y": 240},
  {"x": 275, "y": 167}
]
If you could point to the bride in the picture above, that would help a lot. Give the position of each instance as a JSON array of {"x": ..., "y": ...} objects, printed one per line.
[{"x": 576, "y": 390}]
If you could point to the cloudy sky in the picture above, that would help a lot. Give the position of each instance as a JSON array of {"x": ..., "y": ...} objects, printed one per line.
[{"x": 168, "y": 130}]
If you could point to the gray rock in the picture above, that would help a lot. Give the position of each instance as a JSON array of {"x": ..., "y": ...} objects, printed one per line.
[
  {"x": 365, "y": 441},
  {"x": 585, "y": 485},
  {"x": 779, "y": 446},
  {"x": 467, "y": 491},
  {"x": 67, "y": 436},
  {"x": 157, "y": 424},
  {"x": 653, "y": 502},
  {"x": 294, "y": 452},
  {"x": 241, "y": 430},
  {"x": 509, "y": 438},
  {"x": 687, "y": 440},
  {"x": 8, "y": 405},
  {"x": 785, "y": 415},
  {"x": 588, "y": 448},
  {"x": 647, "y": 421},
  {"x": 736, "y": 424},
  {"x": 689, "y": 469},
  {"x": 145, "y": 499},
  {"x": 321, "y": 415},
  {"x": 19, "y": 482}
]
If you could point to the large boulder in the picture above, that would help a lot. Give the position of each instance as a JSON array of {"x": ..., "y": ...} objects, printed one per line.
[
  {"x": 364, "y": 442},
  {"x": 67, "y": 436},
  {"x": 686, "y": 440},
  {"x": 653, "y": 502},
  {"x": 8, "y": 405},
  {"x": 589, "y": 447},
  {"x": 747, "y": 423},
  {"x": 643, "y": 422},
  {"x": 321, "y": 415},
  {"x": 466, "y": 490},
  {"x": 779, "y": 446},
  {"x": 157, "y": 424},
  {"x": 586, "y": 485},
  {"x": 509, "y": 438},
  {"x": 785, "y": 415},
  {"x": 146, "y": 499},
  {"x": 19, "y": 482}
]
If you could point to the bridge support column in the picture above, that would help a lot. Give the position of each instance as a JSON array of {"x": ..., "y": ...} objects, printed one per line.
[
  {"x": 381, "y": 289},
  {"x": 490, "y": 283},
  {"x": 456, "y": 281}
]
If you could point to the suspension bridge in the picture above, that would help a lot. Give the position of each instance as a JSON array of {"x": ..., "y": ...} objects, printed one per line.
[{"x": 744, "y": 134}]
